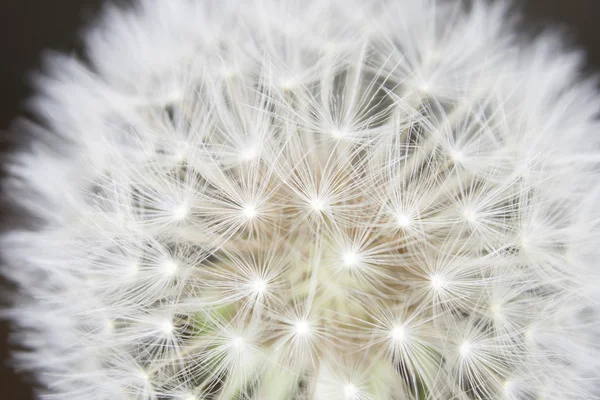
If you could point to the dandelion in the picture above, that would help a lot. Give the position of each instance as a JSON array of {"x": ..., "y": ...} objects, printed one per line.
[{"x": 315, "y": 199}]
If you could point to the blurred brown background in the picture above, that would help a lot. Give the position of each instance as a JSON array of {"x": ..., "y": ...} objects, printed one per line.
[{"x": 29, "y": 26}]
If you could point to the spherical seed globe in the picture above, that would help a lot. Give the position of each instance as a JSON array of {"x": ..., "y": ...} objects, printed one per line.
[{"x": 344, "y": 199}]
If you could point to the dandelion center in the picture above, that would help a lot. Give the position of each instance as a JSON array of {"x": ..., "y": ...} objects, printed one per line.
[
  {"x": 317, "y": 204},
  {"x": 338, "y": 134},
  {"x": 238, "y": 342},
  {"x": 249, "y": 211},
  {"x": 351, "y": 258},
  {"x": 301, "y": 328},
  {"x": 248, "y": 154},
  {"x": 465, "y": 349},
  {"x": 437, "y": 282},
  {"x": 350, "y": 391},
  {"x": 170, "y": 267},
  {"x": 166, "y": 326},
  {"x": 180, "y": 212},
  {"x": 259, "y": 286},
  {"x": 398, "y": 333},
  {"x": 403, "y": 220}
]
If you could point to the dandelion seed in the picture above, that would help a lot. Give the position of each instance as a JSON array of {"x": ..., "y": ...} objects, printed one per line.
[
  {"x": 403, "y": 220},
  {"x": 259, "y": 286},
  {"x": 238, "y": 342},
  {"x": 248, "y": 154},
  {"x": 143, "y": 375},
  {"x": 170, "y": 268},
  {"x": 437, "y": 283},
  {"x": 134, "y": 268},
  {"x": 398, "y": 333},
  {"x": 457, "y": 156},
  {"x": 317, "y": 204},
  {"x": 166, "y": 327},
  {"x": 301, "y": 328},
  {"x": 350, "y": 391},
  {"x": 425, "y": 87},
  {"x": 470, "y": 215},
  {"x": 509, "y": 387},
  {"x": 530, "y": 334},
  {"x": 289, "y": 83},
  {"x": 465, "y": 349},
  {"x": 109, "y": 326},
  {"x": 338, "y": 134},
  {"x": 524, "y": 242},
  {"x": 496, "y": 311},
  {"x": 249, "y": 211},
  {"x": 351, "y": 259},
  {"x": 180, "y": 212}
]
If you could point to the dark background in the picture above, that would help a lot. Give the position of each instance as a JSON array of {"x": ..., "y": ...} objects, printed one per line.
[{"x": 29, "y": 26}]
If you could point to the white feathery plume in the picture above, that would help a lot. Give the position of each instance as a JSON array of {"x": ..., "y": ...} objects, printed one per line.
[{"x": 290, "y": 199}]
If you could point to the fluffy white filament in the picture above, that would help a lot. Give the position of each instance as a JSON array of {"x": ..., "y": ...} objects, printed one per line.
[{"x": 309, "y": 199}]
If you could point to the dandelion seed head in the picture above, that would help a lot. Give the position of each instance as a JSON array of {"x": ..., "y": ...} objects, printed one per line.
[{"x": 276, "y": 199}]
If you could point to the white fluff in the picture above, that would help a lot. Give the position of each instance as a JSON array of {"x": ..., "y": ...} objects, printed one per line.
[{"x": 345, "y": 199}]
